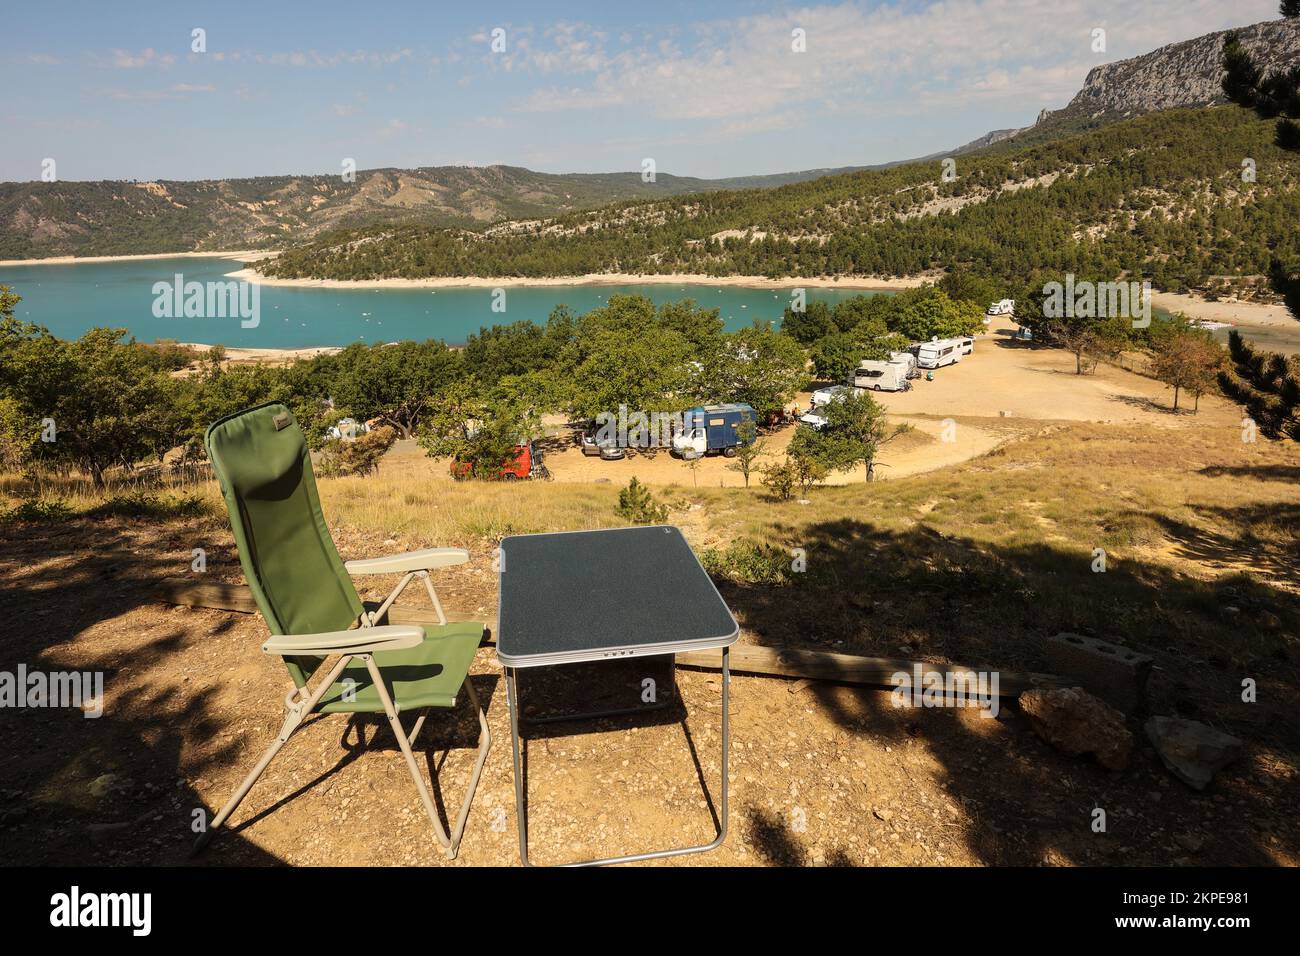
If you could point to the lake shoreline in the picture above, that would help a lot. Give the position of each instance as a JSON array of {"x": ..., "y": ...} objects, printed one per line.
[
  {"x": 866, "y": 283},
  {"x": 246, "y": 255}
]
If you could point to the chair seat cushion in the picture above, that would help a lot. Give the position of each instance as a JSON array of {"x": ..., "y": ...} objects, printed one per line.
[{"x": 428, "y": 675}]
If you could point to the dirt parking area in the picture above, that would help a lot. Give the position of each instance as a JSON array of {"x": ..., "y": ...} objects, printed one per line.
[{"x": 1005, "y": 389}]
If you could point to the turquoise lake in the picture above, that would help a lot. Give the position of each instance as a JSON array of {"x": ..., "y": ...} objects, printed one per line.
[{"x": 69, "y": 299}]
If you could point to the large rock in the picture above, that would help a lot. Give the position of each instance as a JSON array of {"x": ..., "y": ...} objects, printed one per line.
[
  {"x": 1072, "y": 720},
  {"x": 1193, "y": 752}
]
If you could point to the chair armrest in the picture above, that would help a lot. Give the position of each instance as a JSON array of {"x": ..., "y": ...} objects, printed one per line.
[
  {"x": 425, "y": 560},
  {"x": 361, "y": 640}
]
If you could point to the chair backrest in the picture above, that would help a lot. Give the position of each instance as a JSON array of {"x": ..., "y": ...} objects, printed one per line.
[{"x": 298, "y": 580}]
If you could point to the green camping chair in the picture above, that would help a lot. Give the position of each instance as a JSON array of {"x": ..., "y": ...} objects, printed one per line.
[{"x": 306, "y": 596}]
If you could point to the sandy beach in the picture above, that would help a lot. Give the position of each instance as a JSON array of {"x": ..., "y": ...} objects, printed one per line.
[
  {"x": 1224, "y": 310},
  {"x": 238, "y": 355},
  {"x": 246, "y": 255},
  {"x": 871, "y": 283}
]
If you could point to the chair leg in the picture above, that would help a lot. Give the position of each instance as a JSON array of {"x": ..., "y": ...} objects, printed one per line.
[
  {"x": 239, "y": 794},
  {"x": 450, "y": 844},
  {"x": 297, "y": 708}
]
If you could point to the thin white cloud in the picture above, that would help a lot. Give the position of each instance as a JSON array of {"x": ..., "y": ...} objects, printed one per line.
[
  {"x": 1035, "y": 52},
  {"x": 127, "y": 60}
]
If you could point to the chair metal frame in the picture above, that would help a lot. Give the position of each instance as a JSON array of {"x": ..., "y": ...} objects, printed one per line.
[{"x": 361, "y": 643}]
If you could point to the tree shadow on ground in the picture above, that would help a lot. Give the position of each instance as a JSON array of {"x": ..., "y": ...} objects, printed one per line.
[
  {"x": 1285, "y": 473},
  {"x": 943, "y": 598},
  {"x": 115, "y": 789},
  {"x": 182, "y": 713}
]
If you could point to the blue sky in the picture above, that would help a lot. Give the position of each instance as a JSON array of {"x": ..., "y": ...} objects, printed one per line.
[{"x": 114, "y": 90}]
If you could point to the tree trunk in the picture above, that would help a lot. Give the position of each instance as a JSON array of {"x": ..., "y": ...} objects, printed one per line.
[{"x": 1175, "y": 398}]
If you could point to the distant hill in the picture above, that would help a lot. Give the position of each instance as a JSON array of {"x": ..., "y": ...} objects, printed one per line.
[
  {"x": 1159, "y": 195},
  {"x": 124, "y": 217}
]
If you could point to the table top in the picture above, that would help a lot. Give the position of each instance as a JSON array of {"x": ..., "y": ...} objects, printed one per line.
[{"x": 617, "y": 592}]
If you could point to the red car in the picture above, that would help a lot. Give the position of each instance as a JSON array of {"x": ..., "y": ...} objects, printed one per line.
[{"x": 527, "y": 463}]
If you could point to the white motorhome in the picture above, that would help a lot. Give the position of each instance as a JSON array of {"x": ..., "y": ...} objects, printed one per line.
[
  {"x": 939, "y": 352},
  {"x": 1002, "y": 307},
  {"x": 882, "y": 376},
  {"x": 907, "y": 360},
  {"x": 967, "y": 344}
]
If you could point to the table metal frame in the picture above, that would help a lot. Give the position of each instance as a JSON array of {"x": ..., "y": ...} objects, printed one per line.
[{"x": 516, "y": 745}]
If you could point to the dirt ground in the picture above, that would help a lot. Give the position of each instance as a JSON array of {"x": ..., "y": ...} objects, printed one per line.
[{"x": 819, "y": 773}]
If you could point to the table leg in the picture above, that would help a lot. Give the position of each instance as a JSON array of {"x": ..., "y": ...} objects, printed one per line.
[{"x": 516, "y": 747}]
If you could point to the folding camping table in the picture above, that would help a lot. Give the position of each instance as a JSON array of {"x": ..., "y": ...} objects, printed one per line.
[{"x": 602, "y": 595}]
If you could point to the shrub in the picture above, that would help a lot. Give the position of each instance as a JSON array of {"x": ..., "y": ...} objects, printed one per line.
[
  {"x": 36, "y": 510},
  {"x": 781, "y": 478},
  {"x": 637, "y": 505}
]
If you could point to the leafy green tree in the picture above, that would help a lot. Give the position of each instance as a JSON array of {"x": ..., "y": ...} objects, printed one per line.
[
  {"x": 1089, "y": 340},
  {"x": 392, "y": 382},
  {"x": 808, "y": 453},
  {"x": 856, "y": 427},
  {"x": 748, "y": 451},
  {"x": 627, "y": 353},
  {"x": 100, "y": 402},
  {"x": 814, "y": 322},
  {"x": 924, "y": 314},
  {"x": 1184, "y": 358},
  {"x": 836, "y": 355},
  {"x": 9, "y": 300},
  {"x": 781, "y": 478},
  {"x": 477, "y": 433},
  {"x": 756, "y": 365}
]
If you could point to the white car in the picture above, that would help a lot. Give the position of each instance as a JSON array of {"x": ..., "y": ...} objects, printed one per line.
[
  {"x": 813, "y": 419},
  {"x": 824, "y": 396}
]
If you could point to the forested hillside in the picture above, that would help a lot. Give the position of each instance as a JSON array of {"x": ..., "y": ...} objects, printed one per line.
[
  {"x": 1163, "y": 194},
  {"x": 39, "y": 219}
]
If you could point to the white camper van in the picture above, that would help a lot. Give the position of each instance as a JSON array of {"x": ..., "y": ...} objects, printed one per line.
[
  {"x": 882, "y": 376},
  {"x": 967, "y": 345},
  {"x": 907, "y": 360},
  {"x": 939, "y": 352},
  {"x": 1002, "y": 307}
]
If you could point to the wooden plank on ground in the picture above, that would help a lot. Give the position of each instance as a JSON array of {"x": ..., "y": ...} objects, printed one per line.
[
  {"x": 745, "y": 658},
  {"x": 847, "y": 668}
]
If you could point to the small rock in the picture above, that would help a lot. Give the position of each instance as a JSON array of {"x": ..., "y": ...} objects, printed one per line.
[
  {"x": 1193, "y": 752},
  {"x": 881, "y": 813},
  {"x": 104, "y": 784},
  {"x": 1075, "y": 722}
]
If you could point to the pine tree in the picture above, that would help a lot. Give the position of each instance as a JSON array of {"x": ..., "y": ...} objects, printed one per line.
[
  {"x": 1290, "y": 8},
  {"x": 1267, "y": 384},
  {"x": 1271, "y": 96},
  {"x": 1241, "y": 76}
]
